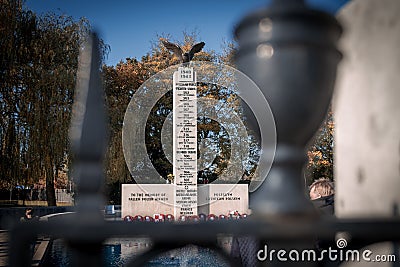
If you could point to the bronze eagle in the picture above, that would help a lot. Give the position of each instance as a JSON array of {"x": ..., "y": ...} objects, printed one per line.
[{"x": 177, "y": 50}]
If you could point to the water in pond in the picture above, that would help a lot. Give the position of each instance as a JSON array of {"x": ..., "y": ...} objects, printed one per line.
[{"x": 119, "y": 252}]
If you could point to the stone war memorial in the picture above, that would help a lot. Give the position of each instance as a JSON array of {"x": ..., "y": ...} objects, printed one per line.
[{"x": 180, "y": 196}]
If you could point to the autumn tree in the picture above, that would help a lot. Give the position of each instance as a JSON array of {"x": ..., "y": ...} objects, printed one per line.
[
  {"x": 39, "y": 59},
  {"x": 320, "y": 152},
  {"x": 122, "y": 81},
  {"x": 14, "y": 43}
]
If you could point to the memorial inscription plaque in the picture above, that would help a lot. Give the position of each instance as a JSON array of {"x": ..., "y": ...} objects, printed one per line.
[
  {"x": 185, "y": 141},
  {"x": 146, "y": 199}
]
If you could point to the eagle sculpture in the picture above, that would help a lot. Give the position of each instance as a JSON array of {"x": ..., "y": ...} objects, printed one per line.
[{"x": 177, "y": 50}]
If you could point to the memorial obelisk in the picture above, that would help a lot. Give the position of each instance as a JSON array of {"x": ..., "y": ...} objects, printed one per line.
[
  {"x": 185, "y": 141},
  {"x": 183, "y": 197},
  {"x": 184, "y": 148}
]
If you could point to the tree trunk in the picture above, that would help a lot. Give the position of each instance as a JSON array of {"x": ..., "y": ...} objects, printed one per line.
[{"x": 50, "y": 191}]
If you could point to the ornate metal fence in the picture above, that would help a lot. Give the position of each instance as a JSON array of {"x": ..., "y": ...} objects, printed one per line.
[{"x": 285, "y": 34}]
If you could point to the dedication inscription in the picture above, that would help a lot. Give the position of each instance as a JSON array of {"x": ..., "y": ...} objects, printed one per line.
[
  {"x": 185, "y": 141},
  {"x": 146, "y": 199}
]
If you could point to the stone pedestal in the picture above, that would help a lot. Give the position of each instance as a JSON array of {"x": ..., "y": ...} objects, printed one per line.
[
  {"x": 150, "y": 199},
  {"x": 147, "y": 199},
  {"x": 223, "y": 198}
]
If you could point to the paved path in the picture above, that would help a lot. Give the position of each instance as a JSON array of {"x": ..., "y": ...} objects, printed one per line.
[
  {"x": 3, "y": 248},
  {"x": 42, "y": 243},
  {"x": 39, "y": 252}
]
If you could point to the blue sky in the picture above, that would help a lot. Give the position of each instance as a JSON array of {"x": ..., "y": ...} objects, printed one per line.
[{"x": 130, "y": 26}]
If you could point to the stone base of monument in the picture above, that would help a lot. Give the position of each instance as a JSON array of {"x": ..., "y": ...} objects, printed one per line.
[
  {"x": 223, "y": 198},
  {"x": 147, "y": 199},
  {"x": 153, "y": 199}
]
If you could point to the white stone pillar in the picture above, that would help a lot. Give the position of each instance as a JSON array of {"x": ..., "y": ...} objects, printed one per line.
[{"x": 185, "y": 141}]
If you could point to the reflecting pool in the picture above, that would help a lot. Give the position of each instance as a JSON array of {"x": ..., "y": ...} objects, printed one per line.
[{"x": 117, "y": 252}]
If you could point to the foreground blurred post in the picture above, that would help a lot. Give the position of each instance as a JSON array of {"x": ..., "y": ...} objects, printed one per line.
[
  {"x": 290, "y": 52},
  {"x": 89, "y": 140},
  {"x": 367, "y": 112}
]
